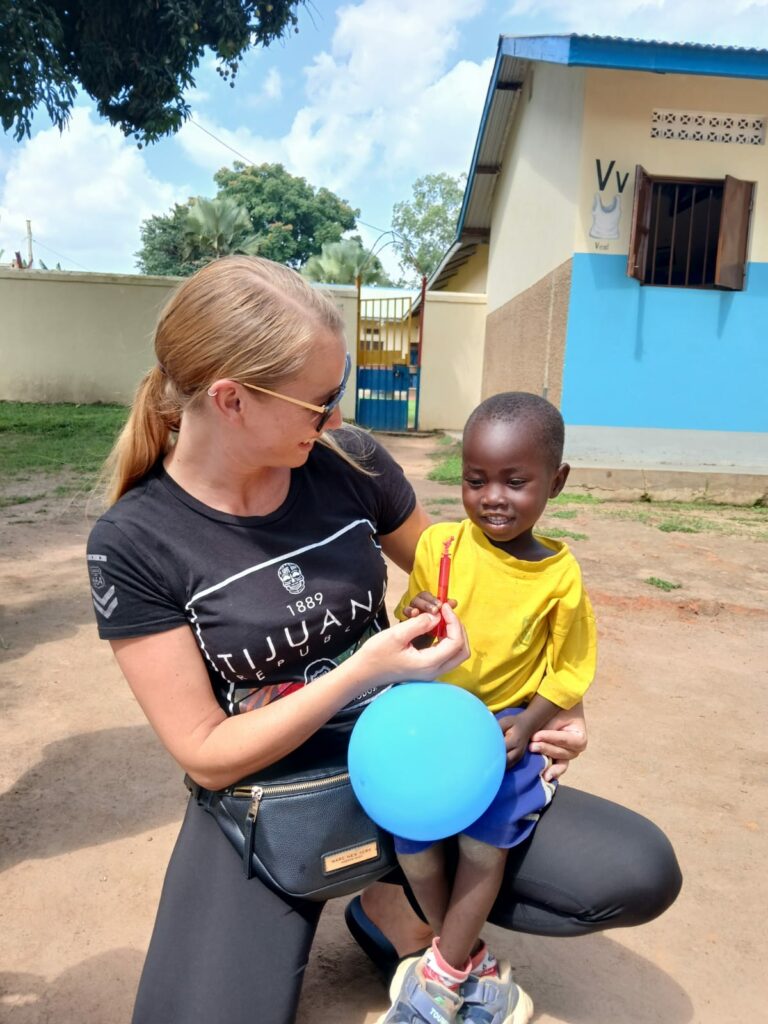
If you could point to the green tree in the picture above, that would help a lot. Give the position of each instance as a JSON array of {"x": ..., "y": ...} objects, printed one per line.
[
  {"x": 136, "y": 60},
  {"x": 292, "y": 218},
  {"x": 162, "y": 244},
  {"x": 216, "y": 228},
  {"x": 427, "y": 224},
  {"x": 341, "y": 262},
  {"x": 193, "y": 234}
]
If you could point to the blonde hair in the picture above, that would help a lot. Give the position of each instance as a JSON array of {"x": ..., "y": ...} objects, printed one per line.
[{"x": 241, "y": 317}]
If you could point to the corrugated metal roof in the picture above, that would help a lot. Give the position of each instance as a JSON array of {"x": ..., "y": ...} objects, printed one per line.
[{"x": 640, "y": 55}]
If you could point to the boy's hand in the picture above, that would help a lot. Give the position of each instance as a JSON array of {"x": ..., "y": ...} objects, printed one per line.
[
  {"x": 428, "y": 604},
  {"x": 516, "y": 736},
  {"x": 425, "y": 602}
]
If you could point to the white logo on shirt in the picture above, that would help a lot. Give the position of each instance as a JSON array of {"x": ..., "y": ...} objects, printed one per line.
[
  {"x": 292, "y": 578},
  {"x": 104, "y": 604}
]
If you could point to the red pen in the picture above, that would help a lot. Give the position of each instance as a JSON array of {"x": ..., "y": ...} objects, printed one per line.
[{"x": 442, "y": 584}]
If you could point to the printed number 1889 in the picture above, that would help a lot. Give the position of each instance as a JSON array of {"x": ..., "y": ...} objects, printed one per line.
[{"x": 305, "y": 604}]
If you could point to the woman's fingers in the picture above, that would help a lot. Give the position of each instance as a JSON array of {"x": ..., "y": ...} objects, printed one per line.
[
  {"x": 454, "y": 644},
  {"x": 562, "y": 744}
]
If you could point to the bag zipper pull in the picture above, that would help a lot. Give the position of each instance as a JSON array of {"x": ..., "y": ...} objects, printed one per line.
[{"x": 257, "y": 792}]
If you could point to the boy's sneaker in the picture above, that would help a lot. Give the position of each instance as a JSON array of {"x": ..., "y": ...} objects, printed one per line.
[
  {"x": 495, "y": 1000},
  {"x": 415, "y": 1000}
]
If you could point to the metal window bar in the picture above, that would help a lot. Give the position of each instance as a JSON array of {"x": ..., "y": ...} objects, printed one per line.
[
  {"x": 706, "y": 236},
  {"x": 690, "y": 237},
  {"x": 656, "y": 195},
  {"x": 672, "y": 240}
]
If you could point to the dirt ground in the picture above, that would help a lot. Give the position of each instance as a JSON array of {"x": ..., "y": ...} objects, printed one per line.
[{"x": 90, "y": 803}]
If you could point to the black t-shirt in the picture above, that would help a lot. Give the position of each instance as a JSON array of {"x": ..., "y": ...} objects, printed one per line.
[{"x": 273, "y": 601}]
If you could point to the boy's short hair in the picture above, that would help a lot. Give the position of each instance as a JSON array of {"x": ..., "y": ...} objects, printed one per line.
[{"x": 535, "y": 412}]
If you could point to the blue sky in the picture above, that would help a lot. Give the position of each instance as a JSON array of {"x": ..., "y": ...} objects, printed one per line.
[{"x": 370, "y": 95}]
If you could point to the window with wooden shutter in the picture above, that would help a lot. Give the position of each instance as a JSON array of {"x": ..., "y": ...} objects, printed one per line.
[
  {"x": 734, "y": 234},
  {"x": 689, "y": 232},
  {"x": 641, "y": 224}
]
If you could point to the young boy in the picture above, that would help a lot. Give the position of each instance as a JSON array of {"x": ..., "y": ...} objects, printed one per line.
[{"x": 532, "y": 635}]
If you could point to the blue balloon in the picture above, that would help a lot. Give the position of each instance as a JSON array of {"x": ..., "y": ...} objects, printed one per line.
[{"x": 426, "y": 760}]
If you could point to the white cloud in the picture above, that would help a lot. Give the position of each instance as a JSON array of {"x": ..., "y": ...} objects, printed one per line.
[
  {"x": 737, "y": 23},
  {"x": 85, "y": 191},
  {"x": 273, "y": 85},
  {"x": 384, "y": 104}
]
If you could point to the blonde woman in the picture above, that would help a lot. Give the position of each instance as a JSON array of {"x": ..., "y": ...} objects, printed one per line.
[{"x": 238, "y": 576}]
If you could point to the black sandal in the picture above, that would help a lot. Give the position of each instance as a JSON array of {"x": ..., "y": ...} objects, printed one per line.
[{"x": 370, "y": 939}]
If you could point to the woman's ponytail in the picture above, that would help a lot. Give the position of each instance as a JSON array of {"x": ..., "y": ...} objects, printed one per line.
[{"x": 146, "y": 436}]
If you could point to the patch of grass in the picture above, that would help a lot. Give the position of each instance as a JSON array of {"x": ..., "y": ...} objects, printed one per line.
[
  {"x": 637, "y": 513},
  {"x": 656, "y": 581},
  {"x": 558, "y": 533},
  {"x": 56, "y": 437},
  {"x": 444, "y": 501},
  {"x": 576, "y": 499},
  {"x": 678, "y": 525},
  {"x": 19, "y": 499},
  {"x": 447, "y": 469},
  {"x": 565, "y": 513}
]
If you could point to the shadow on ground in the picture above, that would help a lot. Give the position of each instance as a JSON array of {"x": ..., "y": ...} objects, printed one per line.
[{"x": 131, "y": 785}]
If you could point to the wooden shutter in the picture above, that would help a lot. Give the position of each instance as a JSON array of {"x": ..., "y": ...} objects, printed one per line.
[
  {"x": 734, "y": 231},
  {"x": 640, "y": 229}
]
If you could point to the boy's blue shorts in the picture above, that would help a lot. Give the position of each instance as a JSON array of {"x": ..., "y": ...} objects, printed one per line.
[{"x": 515, "y": 809}]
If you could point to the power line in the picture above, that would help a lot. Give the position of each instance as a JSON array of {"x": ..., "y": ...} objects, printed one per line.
[
  {"x": 59, "y": 254},
  {"x": 223, "y": 143}
]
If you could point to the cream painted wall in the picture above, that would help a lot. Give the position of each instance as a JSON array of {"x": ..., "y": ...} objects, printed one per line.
[
  {"x": 617, "y": 123},
  {"x": 534, "y": 208},
  {"x": 473, "y": 276},
  {"x": 88, "y": 337},
  {"x": 451, "y": 361}
]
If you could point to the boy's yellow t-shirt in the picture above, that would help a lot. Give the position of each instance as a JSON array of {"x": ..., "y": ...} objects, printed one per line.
[{"x": 530, "y": 625}]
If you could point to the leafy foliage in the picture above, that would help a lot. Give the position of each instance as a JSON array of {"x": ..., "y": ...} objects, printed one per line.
[
  {"x": 288, "y": 218},
  {"x": 136, "y": 60},
  {"x": 192, "y": 235},
  {"x": 162, "y": 244},
  {"x": 427, "y": 224},
  {"x": 292, "y": 218},
  {"x": 342, "y": 262}
]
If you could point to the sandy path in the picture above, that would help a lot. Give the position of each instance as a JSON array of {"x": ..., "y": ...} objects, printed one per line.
[{"x": 90, "y": 803}]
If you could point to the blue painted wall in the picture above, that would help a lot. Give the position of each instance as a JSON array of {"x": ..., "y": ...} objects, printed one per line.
[{"x": 674, "y": 358}]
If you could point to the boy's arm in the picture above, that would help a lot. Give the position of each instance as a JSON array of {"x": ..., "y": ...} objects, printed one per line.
[
  {"x": 519, "y": 728},
  {"x": 571, "y": 649}
]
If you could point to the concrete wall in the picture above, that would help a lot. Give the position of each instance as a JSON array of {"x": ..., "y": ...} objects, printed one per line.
[
  {"x": 473, "y": 276},
  {"x": 451, "y": 365},
  {"x": 617, "y": 130},
  {"x": 525, "y": 339},
  {"x": 76, "y": 337},
  {"x": 88, "y": 337},
  {"x": 659, "y": 357},
  {"x": 536, "y": 198}
]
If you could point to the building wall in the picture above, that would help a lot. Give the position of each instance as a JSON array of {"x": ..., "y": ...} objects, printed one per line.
[
  {"x": 537, "y": 194},
  {"x": 648, "y": 356},
  {"x": 473, "y": 276},
  {"x": 525, "y": 339},
  {"x": 88, "y": 337},
  {"x": 451, "y": 362}
]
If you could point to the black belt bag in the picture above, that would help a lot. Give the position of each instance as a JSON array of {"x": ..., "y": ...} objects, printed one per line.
[{"x": 303, "y": 833}]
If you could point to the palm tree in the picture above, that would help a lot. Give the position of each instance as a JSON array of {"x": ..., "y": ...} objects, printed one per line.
[
  {"x": 342, "y": 262},
  {"x": 216, "y": 228}
]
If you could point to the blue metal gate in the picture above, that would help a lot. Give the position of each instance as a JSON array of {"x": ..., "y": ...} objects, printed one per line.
[{"x": 388, "y": 371}]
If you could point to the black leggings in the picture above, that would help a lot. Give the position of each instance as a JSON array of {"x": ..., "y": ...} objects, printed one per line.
[{"x": 229, "y": 950}]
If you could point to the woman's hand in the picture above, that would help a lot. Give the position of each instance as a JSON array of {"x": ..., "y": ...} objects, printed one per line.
[
  {"x": 391, "y": 657},
  {"x": 562, "y": 738}
]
